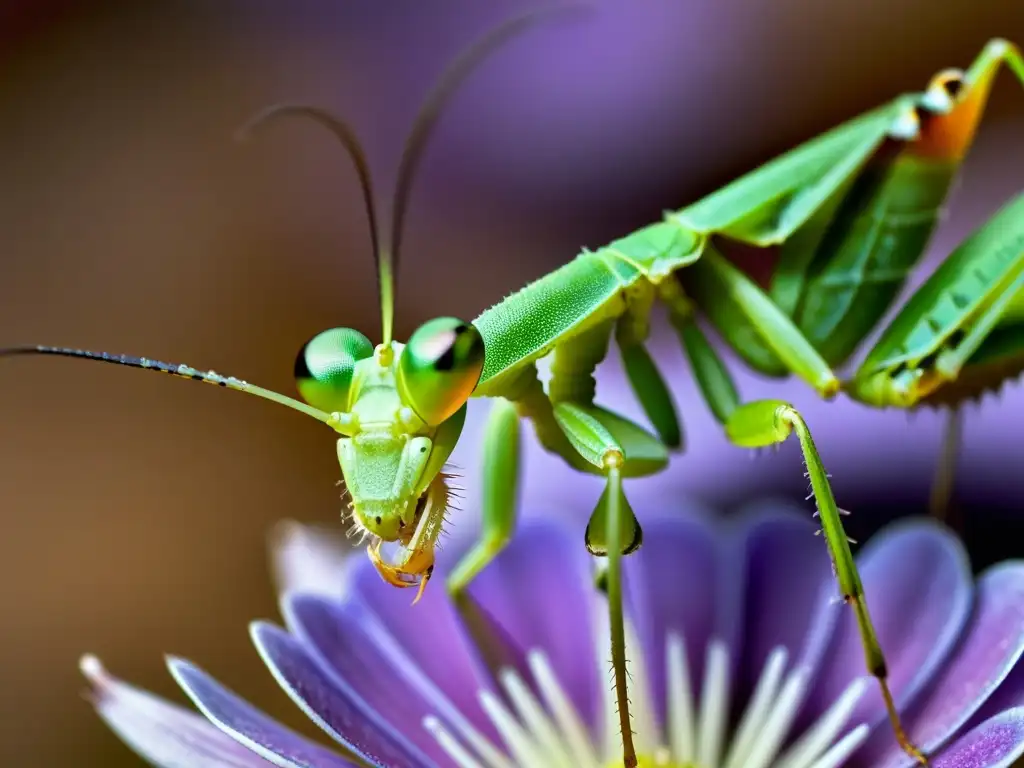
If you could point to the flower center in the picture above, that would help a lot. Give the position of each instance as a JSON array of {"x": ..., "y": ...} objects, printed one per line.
[{"x": 544, "y": 729}]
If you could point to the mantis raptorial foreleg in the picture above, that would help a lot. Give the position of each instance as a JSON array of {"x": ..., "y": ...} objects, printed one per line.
[{"x": 500, "y": 490}]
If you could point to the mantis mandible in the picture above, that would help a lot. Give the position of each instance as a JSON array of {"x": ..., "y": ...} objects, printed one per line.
[{"x": 852, "y": 211}]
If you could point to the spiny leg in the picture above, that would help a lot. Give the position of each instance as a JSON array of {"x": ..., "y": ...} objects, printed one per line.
[
  {"x": 768, "y": 422},
  {"x": 615, "y": 448},
  {"x": 590, "y": 439},
  {"x": 613, "y": 531}
]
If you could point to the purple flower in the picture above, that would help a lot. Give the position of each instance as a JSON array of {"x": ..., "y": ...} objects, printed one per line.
[{"x": 739, "y": 657}]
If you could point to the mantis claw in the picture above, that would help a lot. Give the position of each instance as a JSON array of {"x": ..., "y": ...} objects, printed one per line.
[
  {"x": 423, "y": 584},
  {"x": 415, "y": 563},
  {"x": 413, "y": 570}
]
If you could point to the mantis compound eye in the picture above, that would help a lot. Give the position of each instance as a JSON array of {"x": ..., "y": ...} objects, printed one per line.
[
  {"x": 324, "y": 367},
  {"x": 943, "y": 91},
  {"x": 439, "y": 368}
]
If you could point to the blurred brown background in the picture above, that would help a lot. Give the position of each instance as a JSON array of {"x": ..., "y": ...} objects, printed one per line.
[{"x": 134, "y": 508}]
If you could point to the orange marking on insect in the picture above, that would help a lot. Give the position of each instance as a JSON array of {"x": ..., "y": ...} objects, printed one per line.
[{"x": 948, "y": 137}]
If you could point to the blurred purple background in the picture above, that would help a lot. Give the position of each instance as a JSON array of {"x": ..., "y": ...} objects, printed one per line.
[{"x": 135, "y": 509}]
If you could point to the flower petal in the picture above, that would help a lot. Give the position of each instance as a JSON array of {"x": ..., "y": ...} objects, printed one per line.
[
  {"x": 163, "y": 733},
  {"x": 993, "y": 644},
  {"x": 917, "y": 582},
  {"x": 331, "y": 703},
  {"x": 427, "y": 632},
  {"x": 307, "y": 558},
  {"x": 540, "y": 591},
  {"x": 788, "y": 571},
  {"x": 1008, "y": 695},
  {"x": 996, "y": 743},
  {"x": 247, "y": 725},
  {"x": 350, "y": 642},
  {"x": 676, "y": 582}
]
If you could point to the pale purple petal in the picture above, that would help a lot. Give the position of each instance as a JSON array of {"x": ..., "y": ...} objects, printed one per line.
[
  {"x": 995, "y": 743},
  {"x": 918, "y": 585},
  {"x": 352, "y": 645},
  {"x": 247, "y": 725},
  {"x": 331, "y": 704},
  {"x": 163, "y": 733},
  {"x": 1008, "y": 695},
  {"x": 676, "y": 582},
  {"x": 311, "y": 559},
  {"x": 540, "y": 591},
  {"x": 787, "y": 580},
  {"x": 992, "y": 645},
  {"x": 428, "y": 631}
]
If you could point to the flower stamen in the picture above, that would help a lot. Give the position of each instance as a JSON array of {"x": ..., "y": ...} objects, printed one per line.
[
  {"x": 714, "y": 708},
  {"x": 827, "y": 727},
  {"x": 546, "y": 729},
  {"x": 514, "y": 735},
  {"x": 763, "y": 699},
  {"x": 450, "y": 744},
  {"x": 558, "y": 703},
  {"x": 681, "y": 723},
  {"x": 535, "y": 718}
]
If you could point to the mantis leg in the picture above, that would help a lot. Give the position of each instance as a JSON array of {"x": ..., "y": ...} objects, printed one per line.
[
  {"x": 749, "y": 307},
  {"x": 766, "y": 422},
  {"x": 500, "y": 482},
  {"x": 762, "y": 423},
  {"x": 599, "y": 441},
  {"x": 613, "y": 530},
  {"x": 942, "y": 485}
]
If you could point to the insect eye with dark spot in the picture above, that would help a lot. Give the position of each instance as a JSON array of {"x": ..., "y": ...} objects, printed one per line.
[
  {"x": 439, "y": 368},
  {"x": 943, "y": 92},
  {"x": 953, "y": 85},
  {"x": 326, "y": 364},
  {"x": 377, "y": 520}
]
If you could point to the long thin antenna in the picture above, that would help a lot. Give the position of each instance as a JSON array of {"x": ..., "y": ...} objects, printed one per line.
[
  {"x": 436, "y": 99},
  {"x": 175, "y": 369},
  {"x": 344, "y": 132},
  {"x": 387, "y": 254}
]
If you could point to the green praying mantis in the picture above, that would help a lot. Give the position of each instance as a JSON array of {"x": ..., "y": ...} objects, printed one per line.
[{"x": 851, "y": 211}]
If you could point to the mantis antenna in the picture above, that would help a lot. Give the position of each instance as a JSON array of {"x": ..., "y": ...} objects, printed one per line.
[
  {"x": 175, "y": 369},
  {"x": 387, "y": 253}
]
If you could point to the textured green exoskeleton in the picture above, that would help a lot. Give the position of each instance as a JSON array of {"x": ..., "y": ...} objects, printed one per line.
[{"x": 851, "y": 212}]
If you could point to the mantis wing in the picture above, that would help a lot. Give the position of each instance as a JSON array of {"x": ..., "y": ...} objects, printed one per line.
[
  {"x": 766, "y": 206},
  {"x": 959, "y": 295}
]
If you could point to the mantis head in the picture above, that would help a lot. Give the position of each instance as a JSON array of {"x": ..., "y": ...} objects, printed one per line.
[{"x": 400, "y": 409}]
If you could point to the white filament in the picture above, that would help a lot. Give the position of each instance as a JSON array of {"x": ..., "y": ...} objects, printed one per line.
[
  {"x": 714, "y": 708},
  {"x": 681, "y": 727}
]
